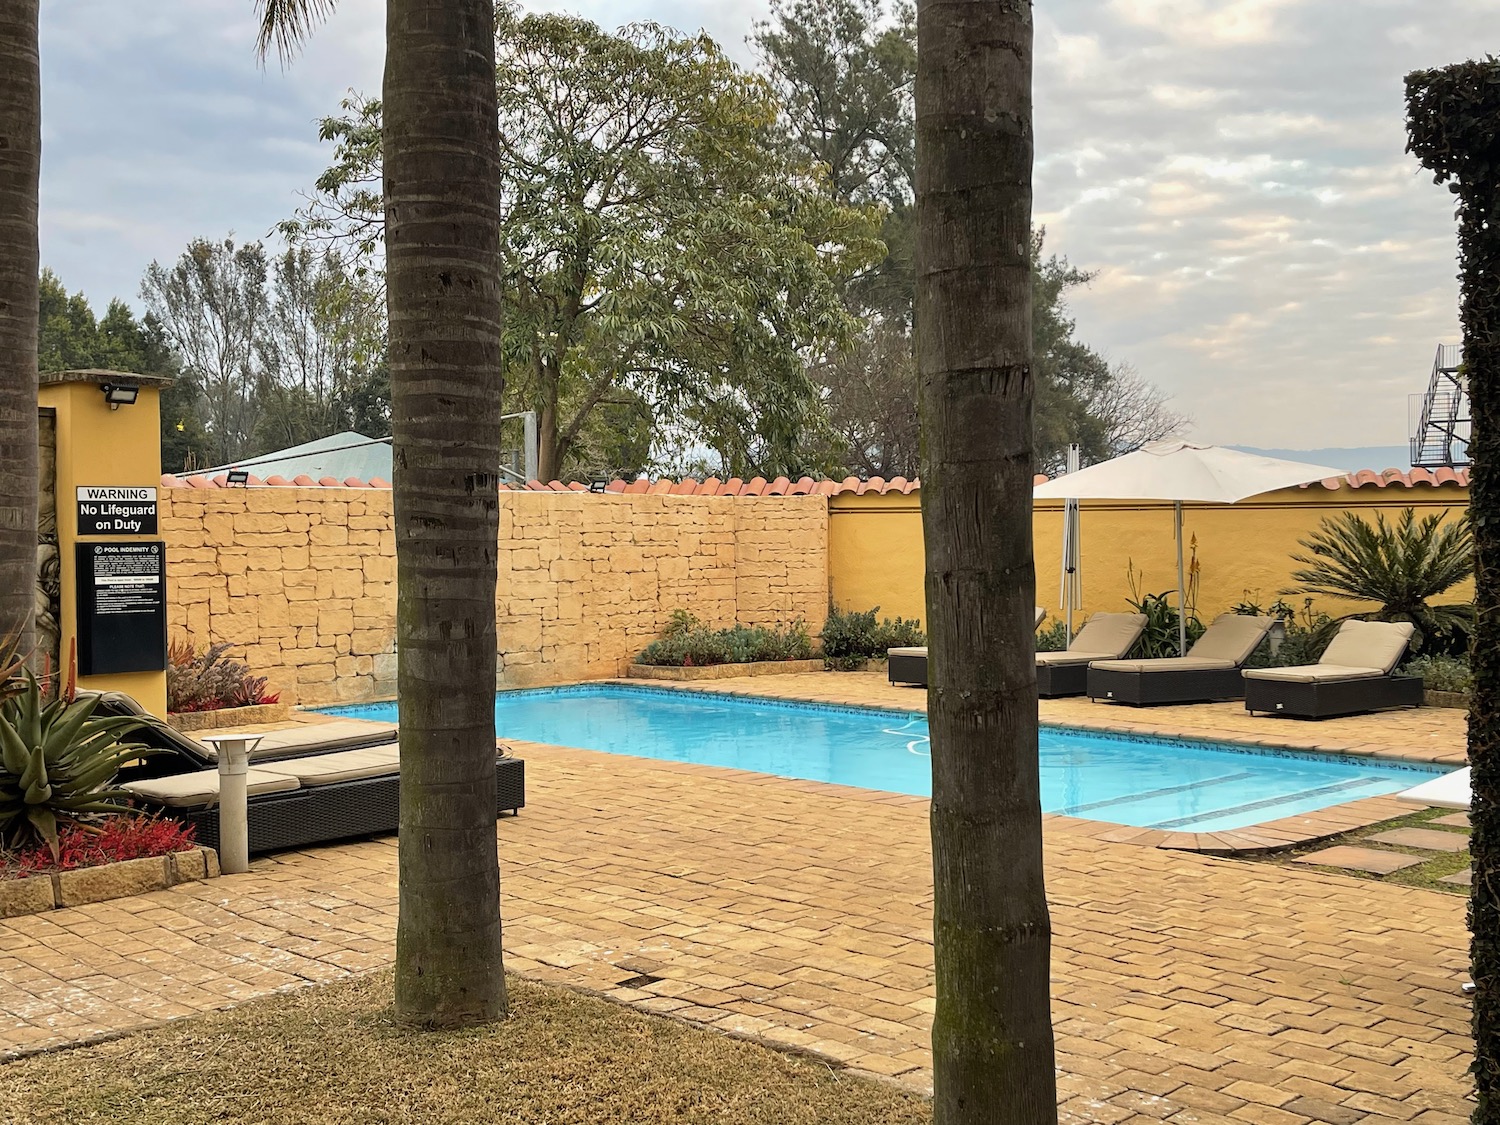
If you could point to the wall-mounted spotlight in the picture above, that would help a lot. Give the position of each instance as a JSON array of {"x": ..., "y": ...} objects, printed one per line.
[
  {"x": 120, "y": 394},
  {"x": 237, "y": 478}
]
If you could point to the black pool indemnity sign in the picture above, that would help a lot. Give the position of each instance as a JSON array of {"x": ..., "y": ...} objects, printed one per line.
[
  {"x": 116, "y": 510},
  {"x": 122, "y": 607}
]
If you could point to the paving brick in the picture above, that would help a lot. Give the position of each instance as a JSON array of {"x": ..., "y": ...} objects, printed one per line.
[
  {"x": 1186, "y": 988},
  {"x": 1360, "y": 859},
  {"x": 1431, "y": 839}
]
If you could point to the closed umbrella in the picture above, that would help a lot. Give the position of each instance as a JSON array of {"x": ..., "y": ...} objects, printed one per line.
[
  {"x": 1071, "y": 595},
  {"x": 1181, "y": 471}
]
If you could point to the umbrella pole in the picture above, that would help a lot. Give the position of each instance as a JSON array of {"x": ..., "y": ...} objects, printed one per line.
[{"x": 1181, "y": 585}]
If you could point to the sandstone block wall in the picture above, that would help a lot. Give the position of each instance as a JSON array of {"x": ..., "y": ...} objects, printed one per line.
[{"x": 301, "y": 581}]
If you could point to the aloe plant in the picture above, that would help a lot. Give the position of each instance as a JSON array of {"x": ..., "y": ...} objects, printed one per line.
[{"x": 57, "y": 765}]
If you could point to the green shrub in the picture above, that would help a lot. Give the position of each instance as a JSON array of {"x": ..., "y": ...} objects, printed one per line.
[
  {"x": 687, "y": 643},
  {"x": 1441, "y": 673},
  {"x": 1054, "y": 638},
  {"x": 853, "y": 637}
]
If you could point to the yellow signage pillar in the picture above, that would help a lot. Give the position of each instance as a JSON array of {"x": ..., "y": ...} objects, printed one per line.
[{"x": 108, "y": 464}]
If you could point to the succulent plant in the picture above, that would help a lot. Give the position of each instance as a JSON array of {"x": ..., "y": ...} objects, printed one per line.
[{"x": 57, "y": 764}]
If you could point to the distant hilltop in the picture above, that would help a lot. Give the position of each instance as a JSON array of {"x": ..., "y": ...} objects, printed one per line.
[{"x": 1375, "y": 457}]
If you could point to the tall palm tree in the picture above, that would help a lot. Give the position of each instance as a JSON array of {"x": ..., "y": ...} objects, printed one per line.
[
  {"x": 20, "y": 169},
  {"x": 992, "y": 1037},
  {"x": 442, "y": 240}
]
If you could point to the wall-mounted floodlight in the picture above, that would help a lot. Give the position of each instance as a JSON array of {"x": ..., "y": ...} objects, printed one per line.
[
  {"x": 120, "y": 394},
  {"x": 237, "y": 478},
  {"x": 599, "y": 484}
]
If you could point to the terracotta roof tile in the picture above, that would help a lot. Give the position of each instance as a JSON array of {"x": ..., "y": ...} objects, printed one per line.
[{"x": 805, "y": 486}]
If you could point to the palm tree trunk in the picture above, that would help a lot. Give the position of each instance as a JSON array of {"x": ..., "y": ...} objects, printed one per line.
[
  {"x": 20, "y": 168},
  {"x": 992, "y": 1036},
  {"x": 442, "y": 205}
]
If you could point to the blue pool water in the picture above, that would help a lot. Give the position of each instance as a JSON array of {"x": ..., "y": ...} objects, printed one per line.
[{"x": 1184, "y": 786}]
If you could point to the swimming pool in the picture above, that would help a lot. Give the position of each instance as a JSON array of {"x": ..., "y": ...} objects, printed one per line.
[{"x": 1174, "y": 785}]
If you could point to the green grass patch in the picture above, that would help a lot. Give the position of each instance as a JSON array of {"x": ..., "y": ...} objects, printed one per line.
[
  {"x": 333, "y": 1056},
  {"x": 1425, "y": 875}
]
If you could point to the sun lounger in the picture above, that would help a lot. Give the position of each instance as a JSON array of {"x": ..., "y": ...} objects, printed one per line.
[
  {"x": 909, "y": 665},
  {"x": 1210, "y": 670},
  {"x": 309, "y": 784},
  {"x": 1355, "y": 674},
  {"x": 1106, "y": 636},
  {"x": 312, "y": 799},
  {"x": 289, "y": 742}
]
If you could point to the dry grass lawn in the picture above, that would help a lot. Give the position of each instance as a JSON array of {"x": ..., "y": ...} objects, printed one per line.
[{"x": 332, "y": 1055}]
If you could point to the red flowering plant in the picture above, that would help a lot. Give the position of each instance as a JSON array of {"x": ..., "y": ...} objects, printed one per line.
[
  {"x": 115, "y": 839},
  {"x": 206, "y": 681}
]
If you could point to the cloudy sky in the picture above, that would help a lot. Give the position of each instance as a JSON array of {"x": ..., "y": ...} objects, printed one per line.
[{"x": 1232, "y": 169}]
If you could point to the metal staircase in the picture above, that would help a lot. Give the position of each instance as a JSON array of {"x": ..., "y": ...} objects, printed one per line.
[{"x": 1440, "y": 418}]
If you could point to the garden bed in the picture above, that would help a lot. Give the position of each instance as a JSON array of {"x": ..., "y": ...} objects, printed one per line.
[
  {"x": 724, "y": 671},
  {"x": 56, "y": 889},
  {"x": 222, "y": 717}
]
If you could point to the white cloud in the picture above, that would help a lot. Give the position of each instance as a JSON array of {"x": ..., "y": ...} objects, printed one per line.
[{"x": 1233, "y": 170}]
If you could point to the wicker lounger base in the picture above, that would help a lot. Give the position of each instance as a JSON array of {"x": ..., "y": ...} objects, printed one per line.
[
  {"x": 907, "y": 670},
  {"x": 1055, "y": 680},
  {"x": 324, "y": 813},
  {"x": 1186, "y": 686},
  {"x": 1332, "y": 698}
]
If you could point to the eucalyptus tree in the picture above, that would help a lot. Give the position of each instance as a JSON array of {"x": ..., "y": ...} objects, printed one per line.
[
  {"x": 992, "y": 1044},
  {"x": 661, "y": 243},
  {"x": 441, "y": 214},
  {"x": 20, "y": 171}
]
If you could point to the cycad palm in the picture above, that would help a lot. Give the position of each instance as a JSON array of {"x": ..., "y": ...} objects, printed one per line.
[
  {"x": 442, "y": 253},
  {"x": 1398, "y": 565}
]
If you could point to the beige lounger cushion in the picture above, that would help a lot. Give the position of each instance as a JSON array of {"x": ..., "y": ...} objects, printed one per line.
[
  {"x": 1071, "y": 656},
  {"x": 191, "y": 790},
  {"x": 347, "y": 765},
  {"x": 337, "y": 734},
  {"x": 1165, "y": 664},
  {"x": 1369, "y": 644},
  {"x": 906, "y": 652},
  {"x": 1232, "y": 637},
  {"x": 1040, "y": 613},
  {"x": 1109, "y": 634},
  {"x": 1313, "y": 674}
]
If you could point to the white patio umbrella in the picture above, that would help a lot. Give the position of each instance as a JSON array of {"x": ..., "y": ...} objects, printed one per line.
[{"x": 1181, "y": 471}]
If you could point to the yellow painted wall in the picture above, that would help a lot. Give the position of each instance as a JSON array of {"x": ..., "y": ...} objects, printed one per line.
[
  {"x": 875, "y": 552},
  {"x": 100, "y": 446}
]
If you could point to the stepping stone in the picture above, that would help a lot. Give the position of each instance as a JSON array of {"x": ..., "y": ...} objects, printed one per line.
[
  {"x": 1453, "y": 820},
  {"x": 1429, "y": 838},
  {"x": 1360, "y": 859},
  {"x": 1459, "y": 879}
]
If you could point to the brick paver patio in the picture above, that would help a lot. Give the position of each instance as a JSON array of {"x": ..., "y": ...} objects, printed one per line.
[{"x": 1186, "y": 988}]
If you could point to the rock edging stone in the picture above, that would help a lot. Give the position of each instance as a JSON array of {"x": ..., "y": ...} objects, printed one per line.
[
  {"x": 83, "y": 885},
  {"x": 229, "y": 717},
  {"x": 724, "y": 671}
]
